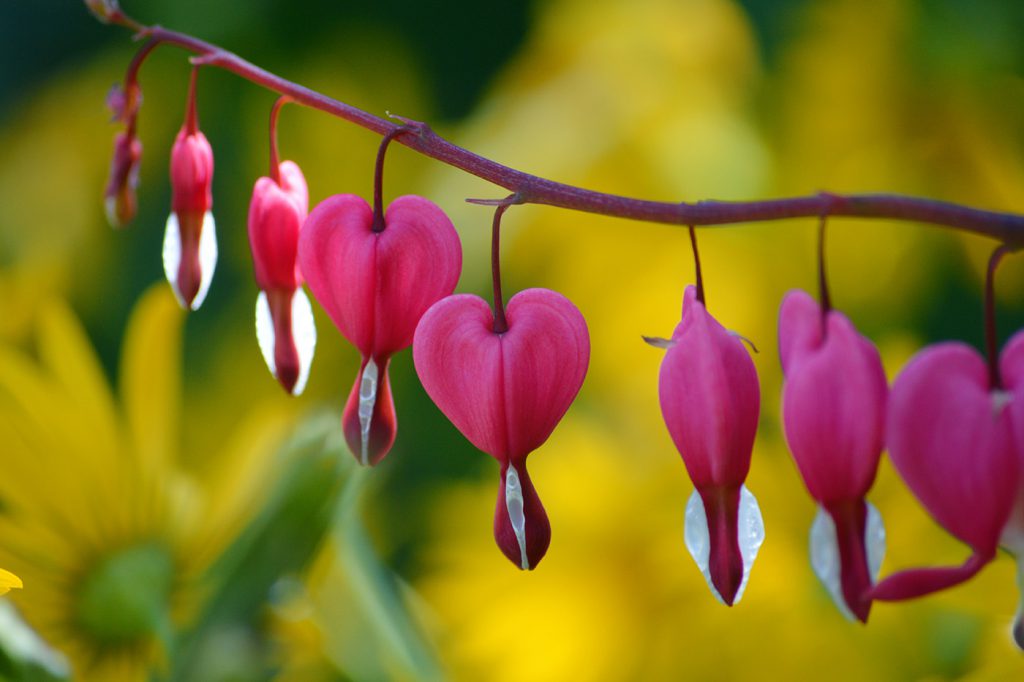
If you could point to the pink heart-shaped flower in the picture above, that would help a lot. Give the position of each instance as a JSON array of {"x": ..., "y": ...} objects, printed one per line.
[
  {"x": 375, "y": 286},
  {"x": 506, "y": 392},
  {"x": 833, "y": 406},
  {"x": 951, "y": 439},
  {"x": 710, "y": 401}
]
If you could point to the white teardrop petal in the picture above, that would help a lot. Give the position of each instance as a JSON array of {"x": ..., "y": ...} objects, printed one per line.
[
  {"x": 825, "y": 559},
  {"x": 516, "y": 513},
  {"x": 172, "y": 255},
  {"x": 265, "y": 331},
  {"x": 1018, "y": 620},
  {"x": 698, "y": 538},
  {"x": 750, "y": 535},
  {"x": 874, "y": 541},
  {"x": 367, "y": 401},
  {"x": 304, "y": 334},
  {"x": 207, "y": 259}
]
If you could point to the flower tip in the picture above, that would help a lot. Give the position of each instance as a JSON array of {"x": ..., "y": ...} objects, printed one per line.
[
  {"x": 724, "y": 547},
  {"x": 521, "y": 526},
  {"x": 287, "y": 336},
  {"x": 847, "y": 544},
  {"x": 190, "y": 256},
  {"x": 369, "y": 420}
]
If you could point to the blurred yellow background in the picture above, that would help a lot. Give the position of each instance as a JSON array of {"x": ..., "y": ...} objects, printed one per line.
[{"x": 314, "y": 571}]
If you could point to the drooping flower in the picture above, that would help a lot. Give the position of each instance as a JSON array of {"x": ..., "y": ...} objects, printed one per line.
[
  {"x": 119, "y": 199},
  {"x": 953, "y": 436},
  {"x": 284, "y": 317},
  {"x": 190, "y": 240},
  {"x": 833, "y": 407},
  {"x": 375, "y": 286},
  {"x": 710, "y": 401},
  {"x": 112, "y": 533},
  {"x": 506, "y": 392}
]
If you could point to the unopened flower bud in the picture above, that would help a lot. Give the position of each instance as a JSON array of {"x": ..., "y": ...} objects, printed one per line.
[
  {"x": 119, "y": 197},
  {"x": 190, "y": 242}
]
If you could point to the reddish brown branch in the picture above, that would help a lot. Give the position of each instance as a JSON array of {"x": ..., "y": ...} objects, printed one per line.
[{"x": 1005, "y": 227}]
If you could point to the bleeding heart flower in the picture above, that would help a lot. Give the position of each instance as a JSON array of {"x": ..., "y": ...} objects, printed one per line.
[
  {"x": 190, "y": 240},
  {"x": 375, "y": 286},
  {"x": 952, "y": 438},
  {"x": 833, "y": 406},
  {"x": 710, "y": 401},
  {"x": 506, "y": 392},
  {"x": 284, "y": 317},
  {"x": 119, "y": 197}
]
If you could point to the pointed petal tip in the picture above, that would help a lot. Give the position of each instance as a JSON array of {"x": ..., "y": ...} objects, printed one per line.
[
  {"x": 369, "y": 420},
  {"x": 291, "y": 363},
  {"x": 190, "y": 271},
  {"x": 714, "y": 546},
  {"x": 521, "y": 527}
]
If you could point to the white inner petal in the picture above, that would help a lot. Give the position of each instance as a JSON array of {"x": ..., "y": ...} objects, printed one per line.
[
  {"x": 516, "y": 514},
  {"x": 825, "y": 559},
  {"x": 304, "y": 333},
  {"x": 750, "y": 536},
  {"x": 265, "y": 331},
  {"x": 172, "y": 255},
  {"x": 1000, "y": 399},
  {"x": 207, "y": 259},
  {"x": 367, "y": 401},
  {"x": 1018, "y": 620},
  {"x": 874, "y": 541}
]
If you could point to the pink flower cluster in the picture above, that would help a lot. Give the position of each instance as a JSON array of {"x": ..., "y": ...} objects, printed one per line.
[{"x": 954, "y": 427}]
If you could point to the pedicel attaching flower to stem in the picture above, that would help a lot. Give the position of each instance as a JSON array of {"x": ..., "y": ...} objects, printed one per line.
[
  {"x": 505, "y": 379},
  {"x": 190, "y": 240},
  {"x": 833, "y": 412},
  {"x": 710, "y": 402},
  {"x": 955, "y": 435},
  {"x": 284, "y": 318},
  {"x": 376, "y": 273}
]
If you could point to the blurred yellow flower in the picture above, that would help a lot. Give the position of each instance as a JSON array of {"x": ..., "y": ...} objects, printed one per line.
[
  {"x": 109, "y": 531},
  {"x": 8, "y": 581}
]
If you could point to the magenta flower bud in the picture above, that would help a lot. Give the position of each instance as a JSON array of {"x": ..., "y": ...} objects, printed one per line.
[
  {"x": 710, "y": 401},
  {"x": 119, "y": 197},
  {"x": 951, "y": 436},
  {"x": 375, "y": 286},
  {"x": 190, "y": 241},
  {"x": 284, "y": 317},
  {"x": 506, "y": 392},
  {"x": 833, "y": 407}
]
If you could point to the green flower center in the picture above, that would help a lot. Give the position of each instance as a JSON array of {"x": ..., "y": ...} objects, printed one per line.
[{"x": 125, "y": 596}]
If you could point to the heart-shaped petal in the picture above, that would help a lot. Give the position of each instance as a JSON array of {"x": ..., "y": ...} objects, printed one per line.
[
  {"x": 375, "y": 286},
  {"x": 950, "y": 439},
  {"x": 504, "y": 392}
]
